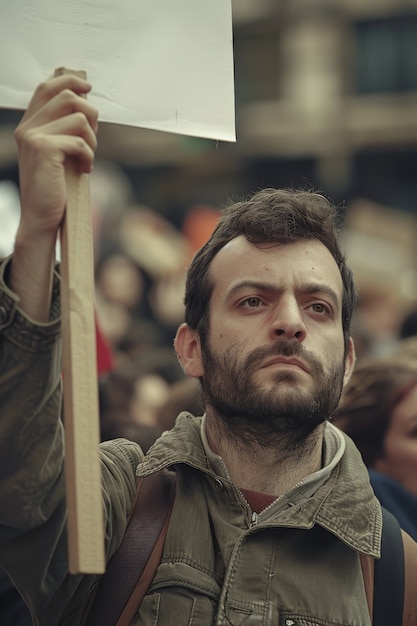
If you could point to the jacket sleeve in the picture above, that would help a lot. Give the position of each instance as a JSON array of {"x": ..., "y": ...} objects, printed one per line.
[{"x": 33, "y": 540}]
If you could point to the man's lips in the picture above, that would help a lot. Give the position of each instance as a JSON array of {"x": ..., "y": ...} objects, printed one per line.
[{"x": 289, "y": 361}]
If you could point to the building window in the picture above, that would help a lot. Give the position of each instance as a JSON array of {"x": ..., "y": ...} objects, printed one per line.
[{"x": 386, "y": 55}]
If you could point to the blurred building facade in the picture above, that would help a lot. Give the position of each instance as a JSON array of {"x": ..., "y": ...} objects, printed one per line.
[{"x": 326, "y": 98}]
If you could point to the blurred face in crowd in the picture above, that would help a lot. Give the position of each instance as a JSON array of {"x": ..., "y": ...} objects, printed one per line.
[
  {"x": 400, "y": 444},
  {"x": 120, "y": 281}
]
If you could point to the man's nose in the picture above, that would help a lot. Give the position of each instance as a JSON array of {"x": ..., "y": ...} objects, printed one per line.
[{"x": 288, "y": 320}]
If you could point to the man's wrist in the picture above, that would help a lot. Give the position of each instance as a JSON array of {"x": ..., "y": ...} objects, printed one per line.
[{"x": 30, "y": 276}]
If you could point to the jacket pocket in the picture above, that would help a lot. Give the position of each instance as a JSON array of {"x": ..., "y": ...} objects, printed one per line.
[
  {"x": 181, "y": 595},
  {"x": 292, "y": 618}
]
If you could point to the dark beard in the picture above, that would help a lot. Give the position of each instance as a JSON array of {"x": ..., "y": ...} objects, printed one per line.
[{"x": 254, "y": 415}]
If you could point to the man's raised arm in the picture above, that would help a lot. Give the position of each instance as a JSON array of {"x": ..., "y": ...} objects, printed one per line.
[{"x": 58, "y": 123}]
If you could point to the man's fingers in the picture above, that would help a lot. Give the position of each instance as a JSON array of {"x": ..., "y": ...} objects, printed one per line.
[
  {"x": 50, "y": 88},
  {"x": 57, "y": 107},
  {"x": 76, "y": 147},
  {"x": 74, "y": 124},
  {"x": 64, "y": 138},
  {"x": 63, "y": 104}
]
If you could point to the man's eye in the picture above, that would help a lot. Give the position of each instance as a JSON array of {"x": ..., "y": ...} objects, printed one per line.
[
  {"x": 252, "y": 302},
  {"x": 318, "y": 307}
]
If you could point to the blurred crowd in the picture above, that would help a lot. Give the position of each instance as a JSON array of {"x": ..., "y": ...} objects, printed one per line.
[{"x": 140, "y": 263}]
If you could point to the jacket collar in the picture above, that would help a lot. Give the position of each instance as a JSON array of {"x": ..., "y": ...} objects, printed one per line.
[{"x": 344, "y": 504}]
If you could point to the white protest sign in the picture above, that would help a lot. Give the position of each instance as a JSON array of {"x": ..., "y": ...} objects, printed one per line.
[{"x": 158, "y": 64}]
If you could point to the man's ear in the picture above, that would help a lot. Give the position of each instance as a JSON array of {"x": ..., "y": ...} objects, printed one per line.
[
  {"x": 188, "y": 350},
  {"x": 350, "y": 362}
]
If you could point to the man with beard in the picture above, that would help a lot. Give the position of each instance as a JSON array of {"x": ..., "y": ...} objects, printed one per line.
[{"x": 273, "y": 505}]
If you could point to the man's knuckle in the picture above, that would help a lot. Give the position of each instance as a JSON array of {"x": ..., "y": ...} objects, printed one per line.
[
  {"x": 80, "y": 118},
  {"x": 43, "y": 89},
  {"x": 18, "y": 134}
]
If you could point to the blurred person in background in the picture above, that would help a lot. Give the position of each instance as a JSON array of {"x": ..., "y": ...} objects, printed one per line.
[
  {"x": 183, "y": 395},
  {"x": 378, "y": 410},
  {"x": 133, "y": 392},
  {"x": 407, "y": 348}
]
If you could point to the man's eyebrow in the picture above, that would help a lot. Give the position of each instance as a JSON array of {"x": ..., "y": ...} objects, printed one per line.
[
  {"x": 321, "y": 288},
  {"x": 306, "y": 288},
  {"x": 251, "y": 284}
]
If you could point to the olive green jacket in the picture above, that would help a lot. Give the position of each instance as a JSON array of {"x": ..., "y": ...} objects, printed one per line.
[{"x": 296, "y": 563}]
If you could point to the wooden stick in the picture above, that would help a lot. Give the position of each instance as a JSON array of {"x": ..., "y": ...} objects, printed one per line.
[{"x": 81, "y": 411}]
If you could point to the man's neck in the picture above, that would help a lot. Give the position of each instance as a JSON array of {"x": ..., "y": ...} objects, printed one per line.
[{"x": 270, "y": 469}]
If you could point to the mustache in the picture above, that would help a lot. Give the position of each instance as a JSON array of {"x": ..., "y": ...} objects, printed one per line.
[{"x": 285, "y": 348}]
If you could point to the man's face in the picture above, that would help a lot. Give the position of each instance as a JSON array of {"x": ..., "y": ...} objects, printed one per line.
[{"x": 274, "y": 355}]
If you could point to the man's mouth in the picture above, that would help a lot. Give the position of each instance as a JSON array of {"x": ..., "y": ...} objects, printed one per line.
[{"x": 289, "y": 362}]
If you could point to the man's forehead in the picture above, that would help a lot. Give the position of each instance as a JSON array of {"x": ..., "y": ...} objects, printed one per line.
[
  {"x": 302, "y": 257},
  {"x": 240, "y": 246}
]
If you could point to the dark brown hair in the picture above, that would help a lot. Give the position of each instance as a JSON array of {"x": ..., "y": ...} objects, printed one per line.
[
  {"x": 272, "y": 215},
  {"x": 376, "y": 387}
]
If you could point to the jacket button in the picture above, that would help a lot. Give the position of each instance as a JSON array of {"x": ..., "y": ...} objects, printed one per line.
[
  {"x": 3, "y": 315},
  {"x": 218, "y": 484}
]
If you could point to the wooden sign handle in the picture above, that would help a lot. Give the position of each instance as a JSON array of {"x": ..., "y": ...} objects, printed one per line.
[{"x": 81, "y": 410}]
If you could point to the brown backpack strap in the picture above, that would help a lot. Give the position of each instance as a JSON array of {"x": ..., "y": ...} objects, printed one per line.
[
  {"x": 132, "y": 568},
  {"x": 367, "y": 564},
  {"x": 410, "y": 588},
  {"x": 409, "y": 617}
]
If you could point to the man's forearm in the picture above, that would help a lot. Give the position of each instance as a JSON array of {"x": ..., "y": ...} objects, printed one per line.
[{"x": 31, "y": 275}]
